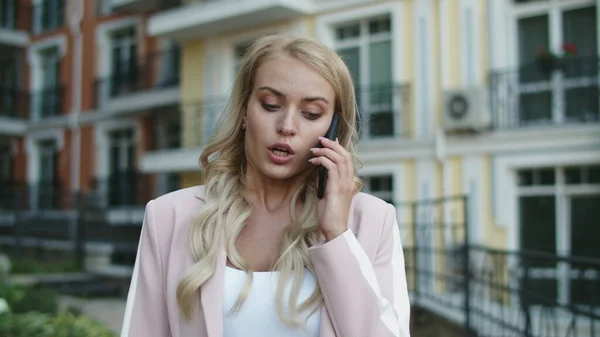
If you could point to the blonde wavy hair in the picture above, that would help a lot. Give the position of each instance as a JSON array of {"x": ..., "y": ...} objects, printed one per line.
[{"x": 226, "y": 209}]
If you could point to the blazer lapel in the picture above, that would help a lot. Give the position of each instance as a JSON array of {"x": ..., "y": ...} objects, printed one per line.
[{"x": 211, "y": 296}]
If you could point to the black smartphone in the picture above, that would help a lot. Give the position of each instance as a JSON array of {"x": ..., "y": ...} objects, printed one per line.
[{"x": 322, "y": 171}]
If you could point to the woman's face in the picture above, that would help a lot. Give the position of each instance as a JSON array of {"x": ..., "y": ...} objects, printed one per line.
[{"x": 290, "y": 107}]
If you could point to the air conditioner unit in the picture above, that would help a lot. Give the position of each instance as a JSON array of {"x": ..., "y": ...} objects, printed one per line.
[{"x": 466, "y": 110}]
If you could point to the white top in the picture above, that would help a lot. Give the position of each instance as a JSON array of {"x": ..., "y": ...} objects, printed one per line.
[{"x": 258, "y": 314}]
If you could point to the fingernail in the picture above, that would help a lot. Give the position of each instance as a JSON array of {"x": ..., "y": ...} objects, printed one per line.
[{"x": 324, "y": 139}]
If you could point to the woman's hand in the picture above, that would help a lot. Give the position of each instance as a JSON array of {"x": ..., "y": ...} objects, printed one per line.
[{"x": 333, "y": 209}]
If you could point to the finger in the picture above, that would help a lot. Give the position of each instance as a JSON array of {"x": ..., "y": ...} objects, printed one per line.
[
  {"x": 329, "y": 153},
  {"x": 332, "y": 144},
  {"x": 337, "y": 147},
  {"x": 344, "y": 170},
  {"x": 331, "y": 167}
]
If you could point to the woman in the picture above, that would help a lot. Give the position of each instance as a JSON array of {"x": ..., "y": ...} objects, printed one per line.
[{"x": 254, "y": 251}]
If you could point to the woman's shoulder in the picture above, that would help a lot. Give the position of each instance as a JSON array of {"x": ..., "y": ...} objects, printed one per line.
[
  {"x": 176, "y": 204},
  {"x": 370, "y": 203},
  {"x": 369, "y": 211}
]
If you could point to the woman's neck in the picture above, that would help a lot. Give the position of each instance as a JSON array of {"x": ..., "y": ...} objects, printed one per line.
[{"x": 268, "y": 194}]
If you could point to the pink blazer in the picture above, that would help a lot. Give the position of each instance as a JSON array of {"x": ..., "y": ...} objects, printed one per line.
[{"x": 361, "y": 273}]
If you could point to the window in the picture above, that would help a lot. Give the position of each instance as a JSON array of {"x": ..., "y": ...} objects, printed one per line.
[
  {"x": 6, "y": 162},
  {"x": 558, "y": 212},
  {"x": 170, "y": 65},
  {"x": 122, "y": 178},
  {"x": 7, "y": 14},
  {"x": 49, "y": 98},
  {"x": 9, "y": 100},
  {"x": 124, "y": 74},
  {"x": 6, "y": 176},
  {"x": 48, "y": 184},
  {"x": 380, "y": 186},
  {"x": 366, "y": 48},
  {"x": 49, "y": 15},
  {"x": 239, "y": 51},
  {"x": 557, "y": 90}
]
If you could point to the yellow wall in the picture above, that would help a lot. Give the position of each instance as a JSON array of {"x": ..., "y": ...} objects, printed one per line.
[
  {"x": 189, "y": 179},
  {"x": 494, "y": 235},
  {"x": 191, "y": 92},
  {"x": 454, "y": 44},
  {"x": 408, "y": 56}
]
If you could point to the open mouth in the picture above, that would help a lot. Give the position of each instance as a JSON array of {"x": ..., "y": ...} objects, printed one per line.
[{"x": 279, "y": 152}]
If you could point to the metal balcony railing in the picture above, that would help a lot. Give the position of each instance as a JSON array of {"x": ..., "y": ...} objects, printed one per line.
[
  {"x": 15, "y": 15},
  {"x": 123, "y": 189},
  {"x": 47, "y": 102},
  {"x": 49, "y": 15},
  {"x": 492, "y": 292},
  {"x": 14, "y": 103},
  {"x": 154, "y": 72},
  {"x": 533, "y": 96}
]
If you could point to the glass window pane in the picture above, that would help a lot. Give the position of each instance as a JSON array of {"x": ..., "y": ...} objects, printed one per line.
[
  {"x": 351, "y": 57},
  {"x": 573, "y": 175},
  {"x": 576, "y": 30},
  {"x": 594, "y": 175},
  {"x": 584, "y": 242},
  {"x": 546, "y": 177},
  {"x": 525, "y": 178},
  {"x": 538, "y": 224},
  {"x": 533, "y": 36},
  {"x": 380, "y": 26},
  {"x": 348, "y": 31},
  {"x": 380, "y": 63}
]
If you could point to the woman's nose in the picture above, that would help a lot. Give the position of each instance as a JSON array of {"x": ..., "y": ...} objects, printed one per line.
[{"x": 286, "y": 124}]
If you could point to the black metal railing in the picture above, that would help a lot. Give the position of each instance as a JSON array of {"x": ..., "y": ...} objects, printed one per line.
[
  {"x": 155, "y": 71},
  {"x": 186, "y": 125},
  {"x": 15, "y": 15},
  {"x": 166, "y": 129},
  {"x": 383, "y": 110},
  {"x": 168, "y": 4},
  {"x": 49, "y": 15},
  {"x": 47, "y": 102},
  {"x": 533, "y": 96},
  {"x": 44, "y": 195},
  {"x": 123, "y": 189},
  {"x": 491, "y": 292},
  {"x": 14, "y": 103}
]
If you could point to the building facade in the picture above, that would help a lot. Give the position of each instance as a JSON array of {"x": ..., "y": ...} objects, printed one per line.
[{"x": 496, "y": 100}]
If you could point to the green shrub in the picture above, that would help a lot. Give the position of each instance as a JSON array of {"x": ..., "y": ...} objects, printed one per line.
[
  {"x": 35, "y": 324},
  {"x": 22, "y": 299},
  {"x": 36, "y": 299},
  {"x": 32, "y": 266}
]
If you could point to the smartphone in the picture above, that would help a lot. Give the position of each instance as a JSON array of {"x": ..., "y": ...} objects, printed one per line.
[{"x": 322, "y": 171}]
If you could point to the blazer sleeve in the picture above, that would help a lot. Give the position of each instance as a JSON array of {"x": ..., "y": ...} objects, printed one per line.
[
  {"x": 146, "y": 310},
  {"x": 364, "y": 297}
]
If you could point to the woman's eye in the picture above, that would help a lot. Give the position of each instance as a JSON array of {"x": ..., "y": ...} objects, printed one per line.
[
  {"x": 312, "y": 115},
  {"x": 269, "y": 107}
]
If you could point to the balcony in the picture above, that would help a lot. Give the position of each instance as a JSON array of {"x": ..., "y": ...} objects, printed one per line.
[
  {"x": 47, "y": 103},
  {"x": 529, "y": 97},
  {"x": 137, "y": 86},
  {"x": 200, "y": 19},
  {"x": 122, "y": 195},
  {"x": 178, "y": 142},
  {"x": 49, "y": 15},
  {"x": 14, "y": 110},
  {"x": 15, "y": 23},
  {"x": 139, "y": 6}
]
